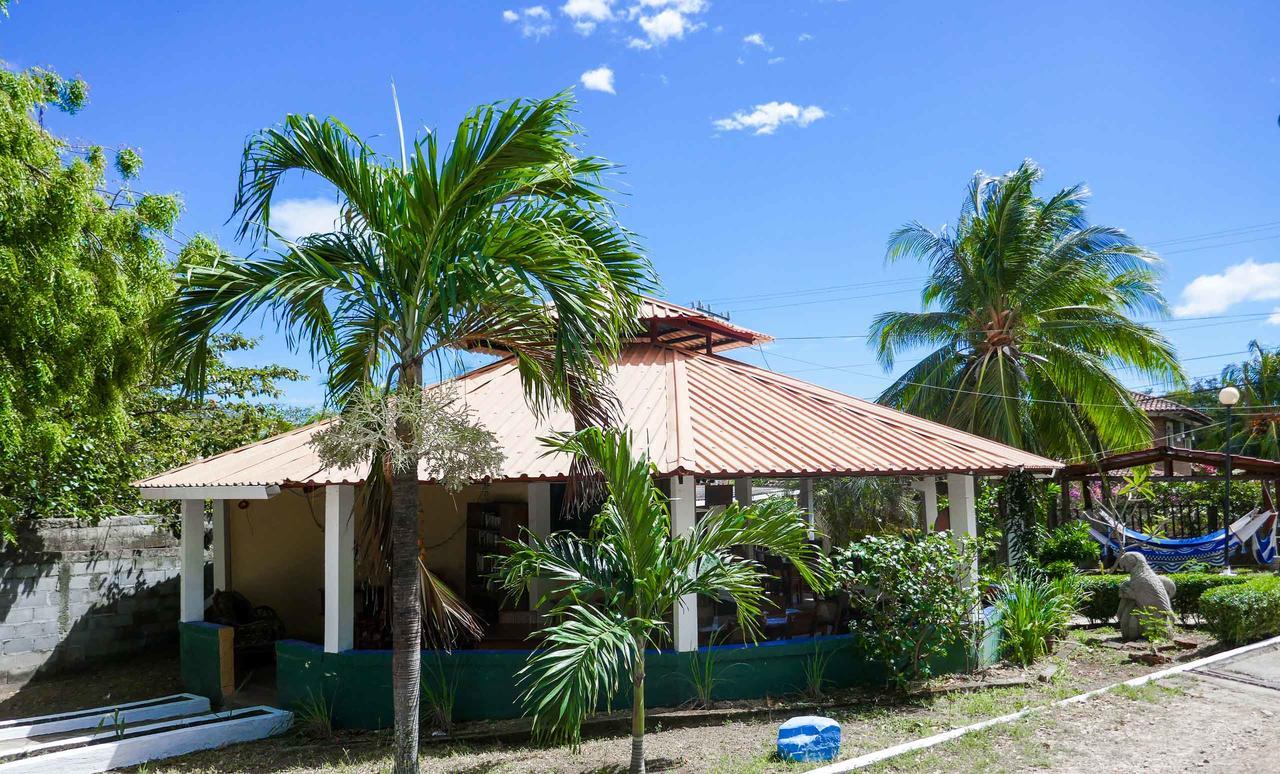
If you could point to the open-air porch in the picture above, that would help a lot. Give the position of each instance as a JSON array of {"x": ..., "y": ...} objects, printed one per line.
[{"x": 284, "y": 527}]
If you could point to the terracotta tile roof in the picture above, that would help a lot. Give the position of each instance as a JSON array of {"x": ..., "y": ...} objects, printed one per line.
[
  {"x": 694, "y": 413},
  {"x": 1154, "y": 404}
]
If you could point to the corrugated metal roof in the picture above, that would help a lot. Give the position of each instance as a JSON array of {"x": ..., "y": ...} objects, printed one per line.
[
  {"x": 694, "y": 413},
  {"x": 683, "y": 320}
]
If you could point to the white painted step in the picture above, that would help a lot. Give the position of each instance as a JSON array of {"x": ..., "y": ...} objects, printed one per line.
[
  {"x": 106, "y": 749},
  {"x": 132, "y": 712}
]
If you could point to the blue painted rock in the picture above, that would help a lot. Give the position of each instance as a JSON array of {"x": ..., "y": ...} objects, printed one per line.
[{"x": 809, "y": 739}]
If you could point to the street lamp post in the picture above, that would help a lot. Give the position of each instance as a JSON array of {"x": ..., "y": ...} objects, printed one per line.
[{"x": 1228, "y": 396}]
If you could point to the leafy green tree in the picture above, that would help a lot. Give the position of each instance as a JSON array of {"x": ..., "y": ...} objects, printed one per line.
[
  {"x": 617, "y": 587},
  {"x": 1026, "y": 311},
  {"x": 81, "y": 269},
  {"x": 164, "y": 428},
  {"x": 505, "y": 238}
]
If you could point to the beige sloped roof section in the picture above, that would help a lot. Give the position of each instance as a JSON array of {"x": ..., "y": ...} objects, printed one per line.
[{"x": 694, "y": 413}]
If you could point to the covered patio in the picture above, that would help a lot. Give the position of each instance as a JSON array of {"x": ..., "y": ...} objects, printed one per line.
[{"x": 283, "y": 526}]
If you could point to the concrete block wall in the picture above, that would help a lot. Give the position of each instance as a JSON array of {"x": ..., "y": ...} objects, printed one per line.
[{"x": 71, "y": 594}]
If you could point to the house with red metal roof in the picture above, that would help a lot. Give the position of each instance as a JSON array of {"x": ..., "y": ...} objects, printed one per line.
[{"x": 284, "y": 525}]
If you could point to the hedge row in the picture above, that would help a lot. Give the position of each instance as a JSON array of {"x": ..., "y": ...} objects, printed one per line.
[
  {"x": 1244, "y": 612},
  {"x": 1104, "y": 592}
]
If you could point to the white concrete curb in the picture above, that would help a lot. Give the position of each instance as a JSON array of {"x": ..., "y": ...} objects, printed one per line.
[{"x": 862, "y": 761}]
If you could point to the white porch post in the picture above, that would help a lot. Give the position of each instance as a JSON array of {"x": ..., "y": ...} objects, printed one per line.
[
  {"x": 339, "y": 568},
  {"x": 742, "y": 491},
  {"x": 928, "y": 486},
  {"x": 963, "y": 508},
  {"x": 683, "y": 516},
  {"x": 191, "y": 583},
  {"x": 539, "y": 526},
  {"x": 804, "y": 498},
  {"x": 221, "y": 551}
]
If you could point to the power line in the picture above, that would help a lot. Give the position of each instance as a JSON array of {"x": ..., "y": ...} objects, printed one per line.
[
  {"x": 812, "y": 290},
  {"x": 987, "y": 394},
  {"x": 1249, "y": 230},
  {"x": 1065, "y": 325}
]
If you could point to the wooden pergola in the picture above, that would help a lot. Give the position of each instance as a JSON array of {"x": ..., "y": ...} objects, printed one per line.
[{"x": 1165, "y": 459}]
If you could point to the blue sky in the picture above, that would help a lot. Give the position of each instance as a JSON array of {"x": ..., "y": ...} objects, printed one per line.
[{"x": 768, "y": 147}]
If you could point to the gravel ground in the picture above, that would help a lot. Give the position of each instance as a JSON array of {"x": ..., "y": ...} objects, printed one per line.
[{"x": 1190, "y": 722}]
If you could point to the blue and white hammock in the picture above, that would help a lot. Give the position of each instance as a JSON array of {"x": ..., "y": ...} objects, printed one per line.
[{"x": 1254, "y": 532}]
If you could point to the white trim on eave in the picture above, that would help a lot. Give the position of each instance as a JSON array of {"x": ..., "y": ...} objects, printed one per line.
[{"x": 208, "y": 492}]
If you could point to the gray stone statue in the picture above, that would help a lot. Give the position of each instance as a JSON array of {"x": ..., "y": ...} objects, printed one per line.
[{"x": 1145, "y": 590}]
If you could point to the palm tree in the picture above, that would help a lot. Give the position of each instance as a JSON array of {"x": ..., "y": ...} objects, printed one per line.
[
  {"x": 617, "y": 587},
  {"x": 1257, "y": 431},
  {"x": 852, "y": 508},
  {"x": 1026, "y": 312},
  {"x": 505, "y": 237}
]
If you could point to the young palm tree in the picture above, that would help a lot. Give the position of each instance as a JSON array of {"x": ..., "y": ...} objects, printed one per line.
[
  {"x": 504, "y": 237},
  {"x": 616, "y": 589},
  {"x": 1027, "y": 309},
  {"x": 1257, "y": 431}
]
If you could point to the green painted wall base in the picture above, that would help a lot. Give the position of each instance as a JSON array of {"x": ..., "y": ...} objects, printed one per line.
[
  {"x": 203, "y": 649},
  {"x": 356, "y": 684}
]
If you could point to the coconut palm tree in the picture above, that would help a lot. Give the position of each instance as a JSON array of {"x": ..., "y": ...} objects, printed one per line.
[
  {"x": 1027, "y": 309},
  {"x": 1257, "y": 431},
  {"x": 504, "y": 237},
  {"x": 617, "y": 587}
]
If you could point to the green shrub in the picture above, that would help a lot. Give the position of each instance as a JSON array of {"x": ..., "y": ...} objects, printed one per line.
[
  {"x": 1189, "y": 586},
  {"x": 1070, "y": 542},
  {"x": 1060, "y": 568},
  {"x": 1192, "y": 585},
  {"x": 910, "y": 599},
  {"x": 1104, "y": 596},
  {"x": 1033, "y": 611},
  {"x": 1243, "y": 612}
]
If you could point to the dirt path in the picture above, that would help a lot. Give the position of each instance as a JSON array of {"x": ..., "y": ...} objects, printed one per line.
[{"x": 1192, "y": 722}]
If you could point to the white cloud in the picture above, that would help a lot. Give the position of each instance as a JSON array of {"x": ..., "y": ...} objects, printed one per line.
[
  {"x": 1216, "y": 293},
  {"x": 805, "y": 37},
  {"x": 295, "y": 218},
  {"x": 766, "y": 118},
  {"x": 777, "y": 60},
  {"x": 599, "y": 79},
  {"x": 755, "y": 39},
  {"x": 586, "y": 14},
  {"x": 665, "y": 20},
  {"x": 655, "y": 21},
  {"x": 537, "y": 21}
]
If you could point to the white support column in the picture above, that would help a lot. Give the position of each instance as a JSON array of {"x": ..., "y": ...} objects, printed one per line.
[
  {"x": 804, "y": 498},
  {"x": 963, "y": 510},
  {"x": 191, "y": 583},
  {"x": 928, "y": 486},
  {"x": 539, "y": 526},
  {"x": 683, "y": 516},
  {"x": 221, "y": 551},
  {"x": 339, "y": 568},
  {"x": 742, "y": 491}
]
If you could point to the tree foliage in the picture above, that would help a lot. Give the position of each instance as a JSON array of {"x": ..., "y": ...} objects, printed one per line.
[
  {"x": 616, "y": 588},
  {"x": 1255, "y": 427},
  {"x": 853, "y": 507},
  {"x": 912, "y": 599},
  {"x": 504, "y": 237},
  {"x": 1027, "y": 310},
  {"x": 81, "y": 270}
]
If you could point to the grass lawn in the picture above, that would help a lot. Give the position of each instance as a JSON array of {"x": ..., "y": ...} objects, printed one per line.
[{"x": 725, "y": 741}]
